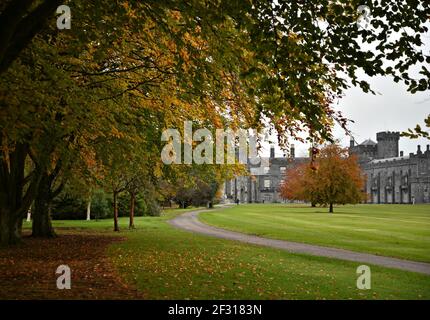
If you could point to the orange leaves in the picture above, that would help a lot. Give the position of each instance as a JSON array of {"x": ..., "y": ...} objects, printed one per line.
[
  {"x": 195, "y": 41},
  {"x": 183, "y": 53},
  {"x": 175, "y": 14},
  {"x": 334, "y": 177},
  {"x": 294, "y": 185},
  {"x": 34, "y": 265},
  {"x": 130, "y": 12}
]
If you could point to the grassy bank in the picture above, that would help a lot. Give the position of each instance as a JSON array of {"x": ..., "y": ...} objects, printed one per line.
[
  {"x": 162, "y": 262},
  {"x": 401, "y": 231}
]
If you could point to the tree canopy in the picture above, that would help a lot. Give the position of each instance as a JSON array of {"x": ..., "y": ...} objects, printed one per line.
[
  {"x": 92, "y": 101},
  {"x": 334, "y": 178}
]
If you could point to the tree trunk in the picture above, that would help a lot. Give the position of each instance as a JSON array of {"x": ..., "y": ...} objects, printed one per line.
[
  {"x": 115, "y": 211},
  {"x": 9, "y": 229},
  {"x": 313, "y": 205},
  {"x": 18, "y": 226},
  {"x": 132, "y": 203},
  {"x": 331, "y": 208},
  {"x": 89, "y": 210},
  {"x": 42, "y": 226},
  {"x": 15, "y": 22},
  {"x": 14, "y": 202}
]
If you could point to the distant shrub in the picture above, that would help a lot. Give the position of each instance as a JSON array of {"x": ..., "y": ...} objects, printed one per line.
[
  {"x": 101, "y": 205},
  {"x": 68, "y": 207}
]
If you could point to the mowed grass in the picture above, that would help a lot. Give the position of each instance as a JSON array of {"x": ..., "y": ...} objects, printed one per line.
[
  {"x": 107, "y": 224},
  {"x": 166, "y": 263},
  {"x": 401, "y": 231}
]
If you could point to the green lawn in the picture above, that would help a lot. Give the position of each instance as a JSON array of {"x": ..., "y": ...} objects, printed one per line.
[
  {"x": 166, "y": 263},
  {"x": 401, "y": 231}
]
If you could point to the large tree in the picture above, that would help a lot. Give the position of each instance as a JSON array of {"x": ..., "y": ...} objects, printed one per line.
[
  {"x": 20, "y": 22},
  {"x": 334, "y": 178},
  {"x": 219, "y": 62}
]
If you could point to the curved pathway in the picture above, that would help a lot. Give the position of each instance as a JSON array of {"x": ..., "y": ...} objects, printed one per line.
[{"x": 189, "y": 221}]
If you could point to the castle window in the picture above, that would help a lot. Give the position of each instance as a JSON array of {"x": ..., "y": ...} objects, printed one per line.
[
  {"x": 389, "y": 181},
  {"x": 282, "y": 169},
  {"x": 267, "y": 183}
]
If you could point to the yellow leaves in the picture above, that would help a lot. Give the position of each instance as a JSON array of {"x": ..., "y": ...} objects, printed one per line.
[
  {"x": 294, "y": 37},
  {"x": 157, "y": 171},
  {"x": 116, "y": 133}
]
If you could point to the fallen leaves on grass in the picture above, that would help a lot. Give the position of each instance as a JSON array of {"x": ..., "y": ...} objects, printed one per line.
[{"x": 27, "y": 271}]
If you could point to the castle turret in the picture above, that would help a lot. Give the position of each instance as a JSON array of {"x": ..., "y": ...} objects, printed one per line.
[
  {"x": 272, "y": 151},
  {"x": 388, "y": 144}
]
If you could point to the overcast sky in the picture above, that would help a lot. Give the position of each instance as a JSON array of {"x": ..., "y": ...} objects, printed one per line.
[{"x": 391, "y": 109}]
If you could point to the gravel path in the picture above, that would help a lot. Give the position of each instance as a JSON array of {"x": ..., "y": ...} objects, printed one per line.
[{"x": 189, "y": 221}]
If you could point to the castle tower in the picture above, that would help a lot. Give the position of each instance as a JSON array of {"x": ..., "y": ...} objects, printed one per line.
[
  {"x": 351, "y": 142},
  {"x": 388, "y": 144}
]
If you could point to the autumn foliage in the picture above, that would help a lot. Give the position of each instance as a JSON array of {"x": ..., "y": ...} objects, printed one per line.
[
  {"x": 87, "y": 106},
  {"x": 334, "y": 178}
]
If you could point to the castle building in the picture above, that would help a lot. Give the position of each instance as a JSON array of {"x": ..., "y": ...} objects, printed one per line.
[
  {"x": 263, "y": 182},
  {"x": 391, "y": 176}
]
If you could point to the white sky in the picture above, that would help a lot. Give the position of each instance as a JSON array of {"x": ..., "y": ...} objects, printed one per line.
[{"x": 393, "y": 108}]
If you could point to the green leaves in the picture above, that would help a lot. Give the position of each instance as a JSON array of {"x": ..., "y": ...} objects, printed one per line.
[
  {"x": 128, "y": 69},
  {"x": 418, "y": 132}
]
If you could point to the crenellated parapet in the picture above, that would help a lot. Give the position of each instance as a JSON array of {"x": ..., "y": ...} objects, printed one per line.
[{"x": 388, "y": 144}]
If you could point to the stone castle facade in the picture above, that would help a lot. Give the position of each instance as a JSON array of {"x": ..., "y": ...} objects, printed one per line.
[
  {"x": 262, "y": 183},
  {"x": 392, "y": 177}
]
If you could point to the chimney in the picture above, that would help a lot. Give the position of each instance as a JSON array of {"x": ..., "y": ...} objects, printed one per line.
[
  {"x": 401, "y": 153},
  {"x": 419, "y": 150},
  {"x": 272, "y": 151},
  {"x": 351, "y": 142},
  {"x": 292, "y": 151}
]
